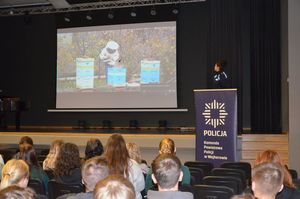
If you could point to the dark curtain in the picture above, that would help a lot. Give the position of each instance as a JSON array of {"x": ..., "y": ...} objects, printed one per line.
[
  {"x": 225, "y": 43},
  {"x": 265, "y": 66}
]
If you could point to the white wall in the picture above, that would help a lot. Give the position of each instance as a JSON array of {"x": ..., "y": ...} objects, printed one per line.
[{"x": 294, "y": 82}]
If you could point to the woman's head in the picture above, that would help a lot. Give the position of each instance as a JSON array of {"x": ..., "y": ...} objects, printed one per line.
[
  {"x": 93, "y": 148},
  {"x": 55, "y": 146},
  {"x": 134, "y": 152},
  {"x": 67, "y": 159},
  {"x": 167, "y": 145},
  {"x": 16, "y": 192},
  {"x": 26, "y": 140},
  {"x": 15, "y": 172},
  {"x": 27, "y": 153},
  {"x": 274, "y": 157},
  {"x": 117, "y": 155}
]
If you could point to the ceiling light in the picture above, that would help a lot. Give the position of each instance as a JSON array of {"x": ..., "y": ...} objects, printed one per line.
[
  {"x": 110, "y": 14},
  {"x": 67, "y": 18},
  {"x": 89, "y": 17},
  {"x": 133, "y": 12},
  {"x": 153, "y": 11}
]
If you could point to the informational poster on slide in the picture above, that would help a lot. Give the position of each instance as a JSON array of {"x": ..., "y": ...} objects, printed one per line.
[
  {"x": 116, "y": 76},
  {"x": 85, "y": 73},
  {"x": 150, "y": 72}
]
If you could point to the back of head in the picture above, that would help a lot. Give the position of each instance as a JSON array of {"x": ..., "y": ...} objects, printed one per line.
[
  {"x": 117, "y": 155},
  {"x": 55, "y": 146},
  {"x": 114, "y": 187},
  {"x": 13, "y": 172},
  {"x": 27, "y": 153},
  {"x": 267, "y": 179},
  {"x": 93, "y": 148},
  {"x": 15, "y": 192},
  {"x": 26, "y": 140},
  {"x": 167, "y": 145},
  {"x": 134, "y": 152},
  {"x": 67, "y": 159},
  {"x": 274, "y": 157},
  {"x": 166, "y": 169},
  {"x": 94, "y": 170},
  {"x": 243, "y": 196}
]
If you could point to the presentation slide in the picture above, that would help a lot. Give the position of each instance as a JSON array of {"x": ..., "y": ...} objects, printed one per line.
[{"x": 117, "y": 66}]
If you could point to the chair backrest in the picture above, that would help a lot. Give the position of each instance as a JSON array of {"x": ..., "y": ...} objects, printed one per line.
[
  {"x": 205, "y": 166},
  {"x": 212, "y": 192},
  {"x": 56, "y": 189},
  {"x": 231, "y": 172},
  {"x": 227, "y": 181},
  {"x": 293, "y": 173},
  {"x": 50, "y": 174},
  {"x": 37, "y": 186},
  {"x": 8, "y": 154},
  {"x": 245, "y": 166},
  {"x": 197, "y": 173}
]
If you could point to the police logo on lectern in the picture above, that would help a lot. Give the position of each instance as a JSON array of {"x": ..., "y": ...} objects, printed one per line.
[{"x": 215, "y": 113}]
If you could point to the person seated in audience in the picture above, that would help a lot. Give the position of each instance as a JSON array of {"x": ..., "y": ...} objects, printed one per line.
[
  {"x": 167, "y": 174},
  {"x": 167, "y": 146},
  {"x": 119, "y": 163},
  {"x": 114, "y": 187},
  {"x": 135, "y": 154},
  {"x": 49, "y": 162},
  {"x": 288, "y": 191},
  {"x": 1, "y": 160},
  {"x": 67, "y": 165},
  {"x": 93, "y": 148},
  {"x": 15, "y": 172},
  {"x": 27, "y": 153},
  {"x": 16, "y": 192},
  {"x": 25, "y": 140},
  {"x": 243, "y": 196},
  {"x": 267, "y": 180},
  {"x": 93, "y": 170}
]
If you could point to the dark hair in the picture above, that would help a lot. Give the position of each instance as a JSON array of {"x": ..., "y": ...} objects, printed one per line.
[
  {"x": 166, "y": 169},
  {"x": 67, "y": 159},
  {"x": 16, "y": 192},
  {"x": 27, "y": 153},
  {"x": 117, "y": 155},
  {"x": 26, "y": 140},
  {"x": 93, "y": 148}
]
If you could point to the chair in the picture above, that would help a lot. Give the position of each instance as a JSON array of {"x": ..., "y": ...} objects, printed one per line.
[
  {"x": 227, "y": 181},
  {"x": 214, "y": 192},
  {"x": 197, "y": 173},
  {"x": 293, "y": 173},
  {"x": 37, "y": 186},
  {"x": 231, "y": 172},
  {"x": 245, "y": 166},
  {"x": 8, "y": 154},
  {"x": 50, "y": 174},
  {"x": 205, "y": 166},
  {"x": 56, "y": 189}
]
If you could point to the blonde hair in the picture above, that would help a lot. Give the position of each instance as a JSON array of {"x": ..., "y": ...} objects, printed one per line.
[
  {"x": 114, "y": 187},
  {"x": 49, "y": 162},
  {"x": 134, "y": 152},
  {"x": 13, "y": 172},
  {"x": 167, "y": 145},
  {"x": 274, "y": 157}
]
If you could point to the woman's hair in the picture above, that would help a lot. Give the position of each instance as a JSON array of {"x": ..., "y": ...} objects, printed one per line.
[
  {"x": 26, "y": 140},
  {"x": 93, "y": 148},
  {"x": 134, "y": 152},
  {"x": 49, "y": 162},
  {"x": 67, "y": 159},
  {"x": 117, "y": 155},
  {"x": 16, "y": 192},
  {"x": 273, "y": 156},
  {"x": 243, "y": 196},
  {"x": 13, "y": 172},
  {"x": 27, "y": 153},
  {"x": 114, "y": 187},
  {"x": 167, "y": 145}
]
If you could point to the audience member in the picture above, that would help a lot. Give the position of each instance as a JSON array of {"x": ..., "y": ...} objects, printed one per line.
[
  {"x": 25, "y": 140},
  {"x": 93, "y": 170},
  {"x": 16, "y": 192},
  {"x": 243, "y": 196},
  {"x": 119, "y": 163},
  {"x": 135, "y": 154},
  {"x": 49, "y": 162},
  {"x": 288, "y": 191},
  {"x": 93, "y": 148},
  {"x": 114, "y": 187},
  {"x": 267, "y": 180},
  {"x": 67, "y": 165},
  {"x": 167, "y": 173},
  {"x": 167, "y": 146},
  {"x": 15, "y": 172},
  {"x": 27, "y": 153}
]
